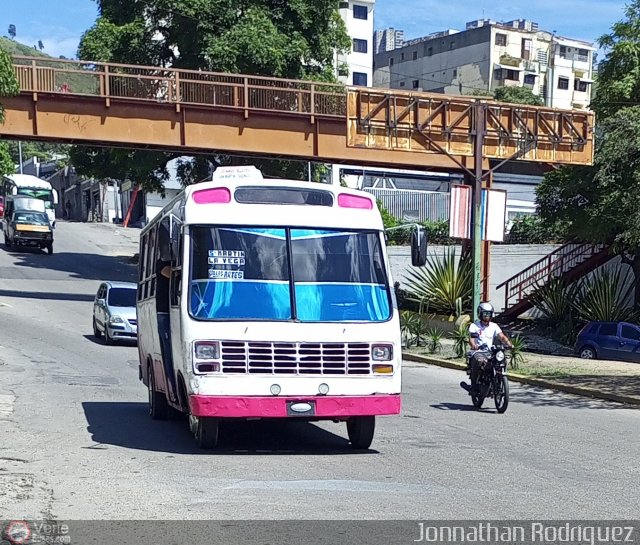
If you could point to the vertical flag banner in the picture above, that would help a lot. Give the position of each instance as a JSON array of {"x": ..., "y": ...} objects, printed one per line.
[
  {"x": 493, "y": 213},
  {"x": 460, "y": 211}
]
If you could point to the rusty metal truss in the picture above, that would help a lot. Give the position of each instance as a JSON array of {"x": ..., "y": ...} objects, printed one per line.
[{"x": 422, "y": 122}]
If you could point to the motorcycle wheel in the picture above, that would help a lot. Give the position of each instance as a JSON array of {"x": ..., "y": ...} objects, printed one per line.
[
  {"x": 477, "y": 401},
  {"x": 501, "y": 395}
]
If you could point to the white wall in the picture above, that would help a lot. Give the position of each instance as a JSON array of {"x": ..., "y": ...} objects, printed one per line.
[{"x": 507, "y": 260}]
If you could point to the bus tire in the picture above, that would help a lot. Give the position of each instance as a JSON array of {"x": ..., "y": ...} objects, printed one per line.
[
  {"x": 158, "y": 406},
  {"x": 207, "y": 431},
  {"x": 361, "y": 430}
]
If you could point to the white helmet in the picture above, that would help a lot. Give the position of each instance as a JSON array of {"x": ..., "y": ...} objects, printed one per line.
[{"x": 485, "y": 308}]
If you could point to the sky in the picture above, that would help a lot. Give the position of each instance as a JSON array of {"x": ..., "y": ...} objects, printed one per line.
[{"x": 60, "y": 23}]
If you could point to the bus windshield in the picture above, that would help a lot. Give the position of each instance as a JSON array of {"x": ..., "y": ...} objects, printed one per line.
[
  {"x": 309, "y": 275},
  {"x": 45, "y": 195}
]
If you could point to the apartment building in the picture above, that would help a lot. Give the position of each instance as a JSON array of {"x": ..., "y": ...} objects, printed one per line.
[
  {"x": 356, "y": 67},
  {"x": 488, "y": 55},
  {"x": 387, "y": 39}
]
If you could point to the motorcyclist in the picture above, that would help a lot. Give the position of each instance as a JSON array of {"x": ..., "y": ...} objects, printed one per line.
[{"x": 482, "y": 334}]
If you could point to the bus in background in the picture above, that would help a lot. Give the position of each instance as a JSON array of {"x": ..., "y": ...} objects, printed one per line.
[
  {"x": 25, "y": 185},
  {"x": 281, "y": 305}
]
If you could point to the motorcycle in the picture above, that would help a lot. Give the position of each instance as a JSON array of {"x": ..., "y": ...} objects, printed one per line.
[{"x": 490, "y": 379}]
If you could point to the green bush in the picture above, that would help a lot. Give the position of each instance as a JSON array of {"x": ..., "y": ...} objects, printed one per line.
[
  {"x": 442, "y": 283},
  {"x": 460, "y": 336},
  {"x": 434, "y": 340},
  {"x": 530, "y": 229}
]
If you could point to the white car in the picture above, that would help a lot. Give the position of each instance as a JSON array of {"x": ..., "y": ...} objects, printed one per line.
[{"x": 114, "y": 312}]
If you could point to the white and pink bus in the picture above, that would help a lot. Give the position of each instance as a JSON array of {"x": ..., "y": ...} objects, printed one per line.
[{"x": 281, "y": 305}]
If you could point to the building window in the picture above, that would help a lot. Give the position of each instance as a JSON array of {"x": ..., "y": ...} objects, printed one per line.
[
  {"x": 501, "y": 39},
  {"x": 416, "y": 83},
  {"x": 529, "y": 79},
  {"x": 360, "y": 12},
  {"x": 360, "y": 79},
  {"x": 429, "y": 51},
  {"x": 343, "y": 5},
  {"x": 512, "y": 75},
  {"x": 563, "y": 83},
  {"x": 580, "y": 86},
  {"x": 455, "y": 72},
  {"x": 390, "y": 61},
  {"x": 415, "y": 55},
  {"x": 563, "y": 52},
  {"x": 402, "y": 84},
  {"x": 359, "y": 46},
  {"x": 452, "y": 44},
  {"x": 498, "y": 74},
  {"x": 401, "y": 56}
]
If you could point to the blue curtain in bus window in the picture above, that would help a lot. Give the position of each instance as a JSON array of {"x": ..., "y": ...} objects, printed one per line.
[
  {"x": 339, "y": 276},
  {"x": 240, "y": 274}
]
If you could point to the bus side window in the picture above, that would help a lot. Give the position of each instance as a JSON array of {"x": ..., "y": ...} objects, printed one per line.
[{"x": 176, "y": 275}]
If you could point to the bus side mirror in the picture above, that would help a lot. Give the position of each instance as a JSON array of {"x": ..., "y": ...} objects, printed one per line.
[{"x": 418, "y": 247}]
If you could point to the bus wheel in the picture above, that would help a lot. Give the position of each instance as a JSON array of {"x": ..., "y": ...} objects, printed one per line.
[
  {"x": 360, "y": 430},
  {"x": 207, "y": 432},
  {"x": 158, "y": 407}
]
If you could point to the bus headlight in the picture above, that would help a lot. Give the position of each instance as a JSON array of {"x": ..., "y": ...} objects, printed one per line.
[
  {"x": 382, "y": 352},
  {"x": 207, "y": 350}
]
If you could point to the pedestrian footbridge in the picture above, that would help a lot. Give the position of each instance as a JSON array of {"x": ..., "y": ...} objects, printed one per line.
[{"x": 119, "y": 105}]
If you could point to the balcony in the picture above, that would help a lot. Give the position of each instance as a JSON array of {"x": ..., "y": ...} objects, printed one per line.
[
  {"x": 533, "y": 67},
  {"x": 508, "y": 60}
]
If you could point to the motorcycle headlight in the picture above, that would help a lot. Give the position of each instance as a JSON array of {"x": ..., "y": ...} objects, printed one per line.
[{"x": 500, "y": 355}]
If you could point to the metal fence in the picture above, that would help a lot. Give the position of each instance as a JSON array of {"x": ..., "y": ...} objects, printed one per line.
[{"x": 409, "y": 205}]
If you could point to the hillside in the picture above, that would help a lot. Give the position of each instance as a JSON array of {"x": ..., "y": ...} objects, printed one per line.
[
  {"x": 16, "y": 48},
  {"x": 75, "y": 82}
]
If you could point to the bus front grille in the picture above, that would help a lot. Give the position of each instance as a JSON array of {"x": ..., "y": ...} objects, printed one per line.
[{"x": 281, "y": 358}]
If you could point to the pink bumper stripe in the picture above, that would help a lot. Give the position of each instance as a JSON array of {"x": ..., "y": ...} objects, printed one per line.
[{"x": 276, "y": 407}]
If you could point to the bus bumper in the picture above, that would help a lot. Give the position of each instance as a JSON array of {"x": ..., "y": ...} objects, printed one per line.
[{"x": 319, "y": 407}]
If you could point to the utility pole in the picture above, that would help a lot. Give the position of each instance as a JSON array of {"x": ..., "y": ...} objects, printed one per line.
[
  {"x": 20, "y": 154},
  {"x": 479, "y": 130}
]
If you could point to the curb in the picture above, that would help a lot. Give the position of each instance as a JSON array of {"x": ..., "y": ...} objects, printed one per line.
[{"x": 544, "y": 383}]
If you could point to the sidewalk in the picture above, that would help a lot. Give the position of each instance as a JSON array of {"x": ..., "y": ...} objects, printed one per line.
[{"x": 610, "y": 380}]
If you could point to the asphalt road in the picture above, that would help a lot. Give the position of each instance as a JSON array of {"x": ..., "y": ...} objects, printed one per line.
[{"x": 77, "y": 442}]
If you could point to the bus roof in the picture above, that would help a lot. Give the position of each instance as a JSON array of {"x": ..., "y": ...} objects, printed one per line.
[
  {"x": 27, "y": 180},
  {"x": 250, "y": 200}
]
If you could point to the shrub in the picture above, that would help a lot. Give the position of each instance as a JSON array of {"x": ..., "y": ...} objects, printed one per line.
[
  {"x": 516, "y": 357},
  {"x": 442, "y": 282},
  {"x": 434, "y": 340},
  {"x": 460, "y": 336}
]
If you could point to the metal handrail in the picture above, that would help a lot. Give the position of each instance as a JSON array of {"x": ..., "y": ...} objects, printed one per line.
[
  {"x": 548, "y": 267},
  {"x": 116, "y": 81}
]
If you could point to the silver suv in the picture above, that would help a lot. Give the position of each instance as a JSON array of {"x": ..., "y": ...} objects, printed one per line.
[{"x": 114, "y": 312}]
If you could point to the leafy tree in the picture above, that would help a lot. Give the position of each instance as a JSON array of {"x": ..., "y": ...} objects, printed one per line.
[
  {"x": 517, "y": 95},
  {"x": 8, "y": 83},
  {"x": 12, "y": 31},
  {"x": 599, "y": 203},
  {"x": 7, "y": 166},
  {"x": 291, "y": 39},
  {"x": 619, "y": 73},
  {"x": 514, "y": 95},
  {"x": 40, "y": 45}
]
